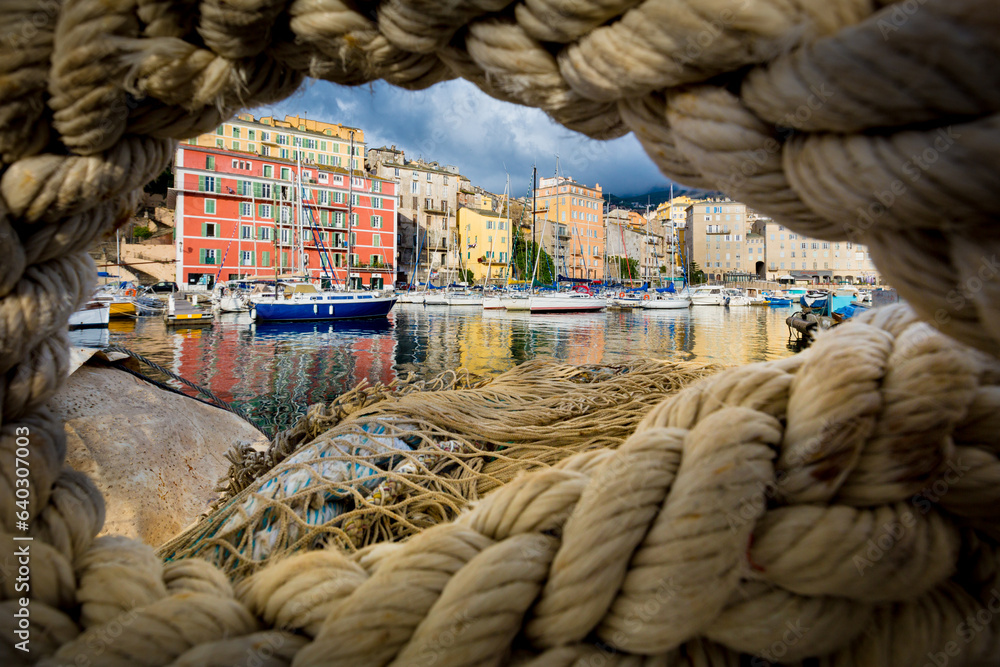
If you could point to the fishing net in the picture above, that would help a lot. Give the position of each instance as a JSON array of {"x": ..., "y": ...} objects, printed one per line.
[{"x": 383, "y": 462}]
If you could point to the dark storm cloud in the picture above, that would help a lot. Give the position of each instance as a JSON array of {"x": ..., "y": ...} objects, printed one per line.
[{"x": 455, "y": 123}]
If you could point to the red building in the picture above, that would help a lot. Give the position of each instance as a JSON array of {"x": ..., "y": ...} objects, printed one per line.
[{"x": 241, "y": 214}]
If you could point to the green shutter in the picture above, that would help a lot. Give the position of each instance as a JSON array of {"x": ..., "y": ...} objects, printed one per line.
[
  {"x": 204, "y": 229},
  {"x": 258, "y": 190},
  {"x": 218, "y": 185},
  {"x": 265, "y": 258},
  {"x": 201, "y": 184},
  {"x": 201, "y": 256},
  {"x": 260, "y": 210}
]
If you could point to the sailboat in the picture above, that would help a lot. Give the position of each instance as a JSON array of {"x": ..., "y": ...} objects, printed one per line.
[
  {"x": 580, "y": 299},
  {"x": 302, "y": 301}
]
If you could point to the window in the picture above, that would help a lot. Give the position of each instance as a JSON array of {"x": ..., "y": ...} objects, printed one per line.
[
  {"x": 338, "y": 218},
  {"x": 354, "y": 238},
  {"x": 210, "y": 162},
  {"x": 376, "y": 186},
  {"x": 376, "y": 240},
  {"x": 209, "y": 255},
  {"x": 246, "y": 210},
  {"x": 377, "y": 221},
  {"x": 209, "y": 184},
  {"x": 235, "y": 145},
  {"x": 209, "y": 230},
  {"x": 286, "y": 174},
  {"x": 264, "y": 211},
  {"x": 268, "y": 171},
  {"x": 265, "y": 234},
  {"x": 264, "y": 136},
  {"x": 210, "y": 206},
  {"x": 354, "y": 220},
  {"x": 219, "y": 130},
  {"x": 219, "y": 143},
  {"x": 246, "y": 258},
  {"x": 376, "y": 202},
  {"x": 355, "y": 200},
  {"x": 284, "y": 235},
  {"x": 246, "y": 232}
]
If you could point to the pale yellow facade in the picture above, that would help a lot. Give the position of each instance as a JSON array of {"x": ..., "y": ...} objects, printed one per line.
[
  {"x": 485, "y": 238},
  {"x": 294, "y": 138}
]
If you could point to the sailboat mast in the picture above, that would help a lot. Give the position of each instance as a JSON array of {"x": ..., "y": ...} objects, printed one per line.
[
  {"x": 534, "y": 207},
  {"x": 350, "y": 209}
]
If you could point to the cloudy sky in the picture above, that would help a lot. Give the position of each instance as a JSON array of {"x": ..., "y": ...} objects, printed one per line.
[{"x": 456, "y": 123}]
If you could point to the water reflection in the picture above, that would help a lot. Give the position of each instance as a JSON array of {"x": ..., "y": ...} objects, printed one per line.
[{"x": 275, "y": 370}]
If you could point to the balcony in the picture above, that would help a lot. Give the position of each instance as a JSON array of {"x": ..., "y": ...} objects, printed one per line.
[{"x": 434, "y": 210}]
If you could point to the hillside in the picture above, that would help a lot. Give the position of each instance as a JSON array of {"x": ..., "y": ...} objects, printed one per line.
[{"x": 655, "y": 198}]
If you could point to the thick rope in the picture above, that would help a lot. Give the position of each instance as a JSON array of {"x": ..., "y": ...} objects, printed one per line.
[{"x": 874, "y": 122}]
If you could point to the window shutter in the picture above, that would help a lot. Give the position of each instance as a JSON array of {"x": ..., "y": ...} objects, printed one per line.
[
  {"x": 204, "y": 229},
  {"x": 265, "y": 258},
  {"x": 201, "y": 256},
  {"x": 218, "y": 185},
  {"x": 256, "y": 189},
  {"x": 201, "y": 184}
]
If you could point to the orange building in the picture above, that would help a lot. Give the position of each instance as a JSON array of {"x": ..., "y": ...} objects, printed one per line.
[{"x": 572, "y": 216}]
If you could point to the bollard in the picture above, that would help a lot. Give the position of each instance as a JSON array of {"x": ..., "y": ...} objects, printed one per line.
[{"x": 170, "y": 305}]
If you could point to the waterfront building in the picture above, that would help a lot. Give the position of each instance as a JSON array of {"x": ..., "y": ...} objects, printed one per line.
[
  {"x": 789, "y": 253},
  {"x": 715, "y": 232},
  {"x": 278, "y": 197},
  {"x": 628, "y": 237},
  {"x": 486, "y": 237},
  {"x": 428, "y": 200},
  {"x": 572, "y": 216}
]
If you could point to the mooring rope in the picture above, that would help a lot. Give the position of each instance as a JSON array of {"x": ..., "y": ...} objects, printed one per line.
[{"x": 868, "y": 121}]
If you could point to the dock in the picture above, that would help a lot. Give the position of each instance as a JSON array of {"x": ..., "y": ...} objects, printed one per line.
[{"x": 181, "y": 312}]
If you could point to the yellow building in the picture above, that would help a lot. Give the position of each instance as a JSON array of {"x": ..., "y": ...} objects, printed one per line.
[
  {"x": 312, "y": 141},
  {"x": 485, "y": 239}
]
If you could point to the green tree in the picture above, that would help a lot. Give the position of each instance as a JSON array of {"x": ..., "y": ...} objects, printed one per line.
[
  {"x": 524, "y": 261},
  {"x": 695, "y": 274}
]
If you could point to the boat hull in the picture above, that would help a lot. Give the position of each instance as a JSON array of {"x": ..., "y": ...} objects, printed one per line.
[
  {"x": 666, "y": 304},
  {"x": 92, "y": 316},
  {"x": 122, "y": 309},
  {"x": 516, "y": 303},
  {"x": 492, "y": 303},
  {"x": 326, "y": 309},
  {"x": 547, "y": 304}
]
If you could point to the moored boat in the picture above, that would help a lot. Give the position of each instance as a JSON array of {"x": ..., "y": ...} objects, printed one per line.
[
  {"x": 708, "y": 295},
  {"x": 93, "y": 315},
  {"x": 565, "y": 302},
  {"x": 302, "y": 301}
]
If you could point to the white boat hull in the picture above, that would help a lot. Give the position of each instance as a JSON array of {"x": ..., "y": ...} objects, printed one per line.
[
  {"x": 565, "y": 304},
  {"x": 708, "y": 300},
  {"x": 515, "y": 303},
  {"x": 666, "y": 304},
  {"x": 95, "y": 314},
  {"x": 464, "y": 300},
  {"x": 432, "y": 299},
  {"x": 233, "y": 304},
  {"x": 492, "y": 303}
]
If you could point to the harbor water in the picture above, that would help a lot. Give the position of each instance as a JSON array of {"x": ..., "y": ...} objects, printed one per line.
[{"x": 274, "y": 371}]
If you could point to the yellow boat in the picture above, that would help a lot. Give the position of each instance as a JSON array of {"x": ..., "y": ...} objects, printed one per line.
[{"x": 122, "y": 307}]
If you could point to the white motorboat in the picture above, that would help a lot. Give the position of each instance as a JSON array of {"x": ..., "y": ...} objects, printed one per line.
[
  {"x": 735, "y": 297},
  {"x": 565, "y": 302},
  {"x": 94, "y": 314},
  {"x": 757, "y": 297},
  {"x": 666, "y": 302},
  {"x": 709, "y": 295},
  {"x": 626, "y": 300}
]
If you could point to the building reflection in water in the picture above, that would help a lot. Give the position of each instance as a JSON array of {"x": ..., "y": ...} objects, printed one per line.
[{"x": 276, "y": 370}]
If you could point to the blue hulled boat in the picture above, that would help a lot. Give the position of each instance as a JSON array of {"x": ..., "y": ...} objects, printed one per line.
[{"x": 298, "y": 302}]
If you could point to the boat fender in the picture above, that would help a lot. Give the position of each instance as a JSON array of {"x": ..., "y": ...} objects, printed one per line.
[{"x": 130, "y": 292}]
